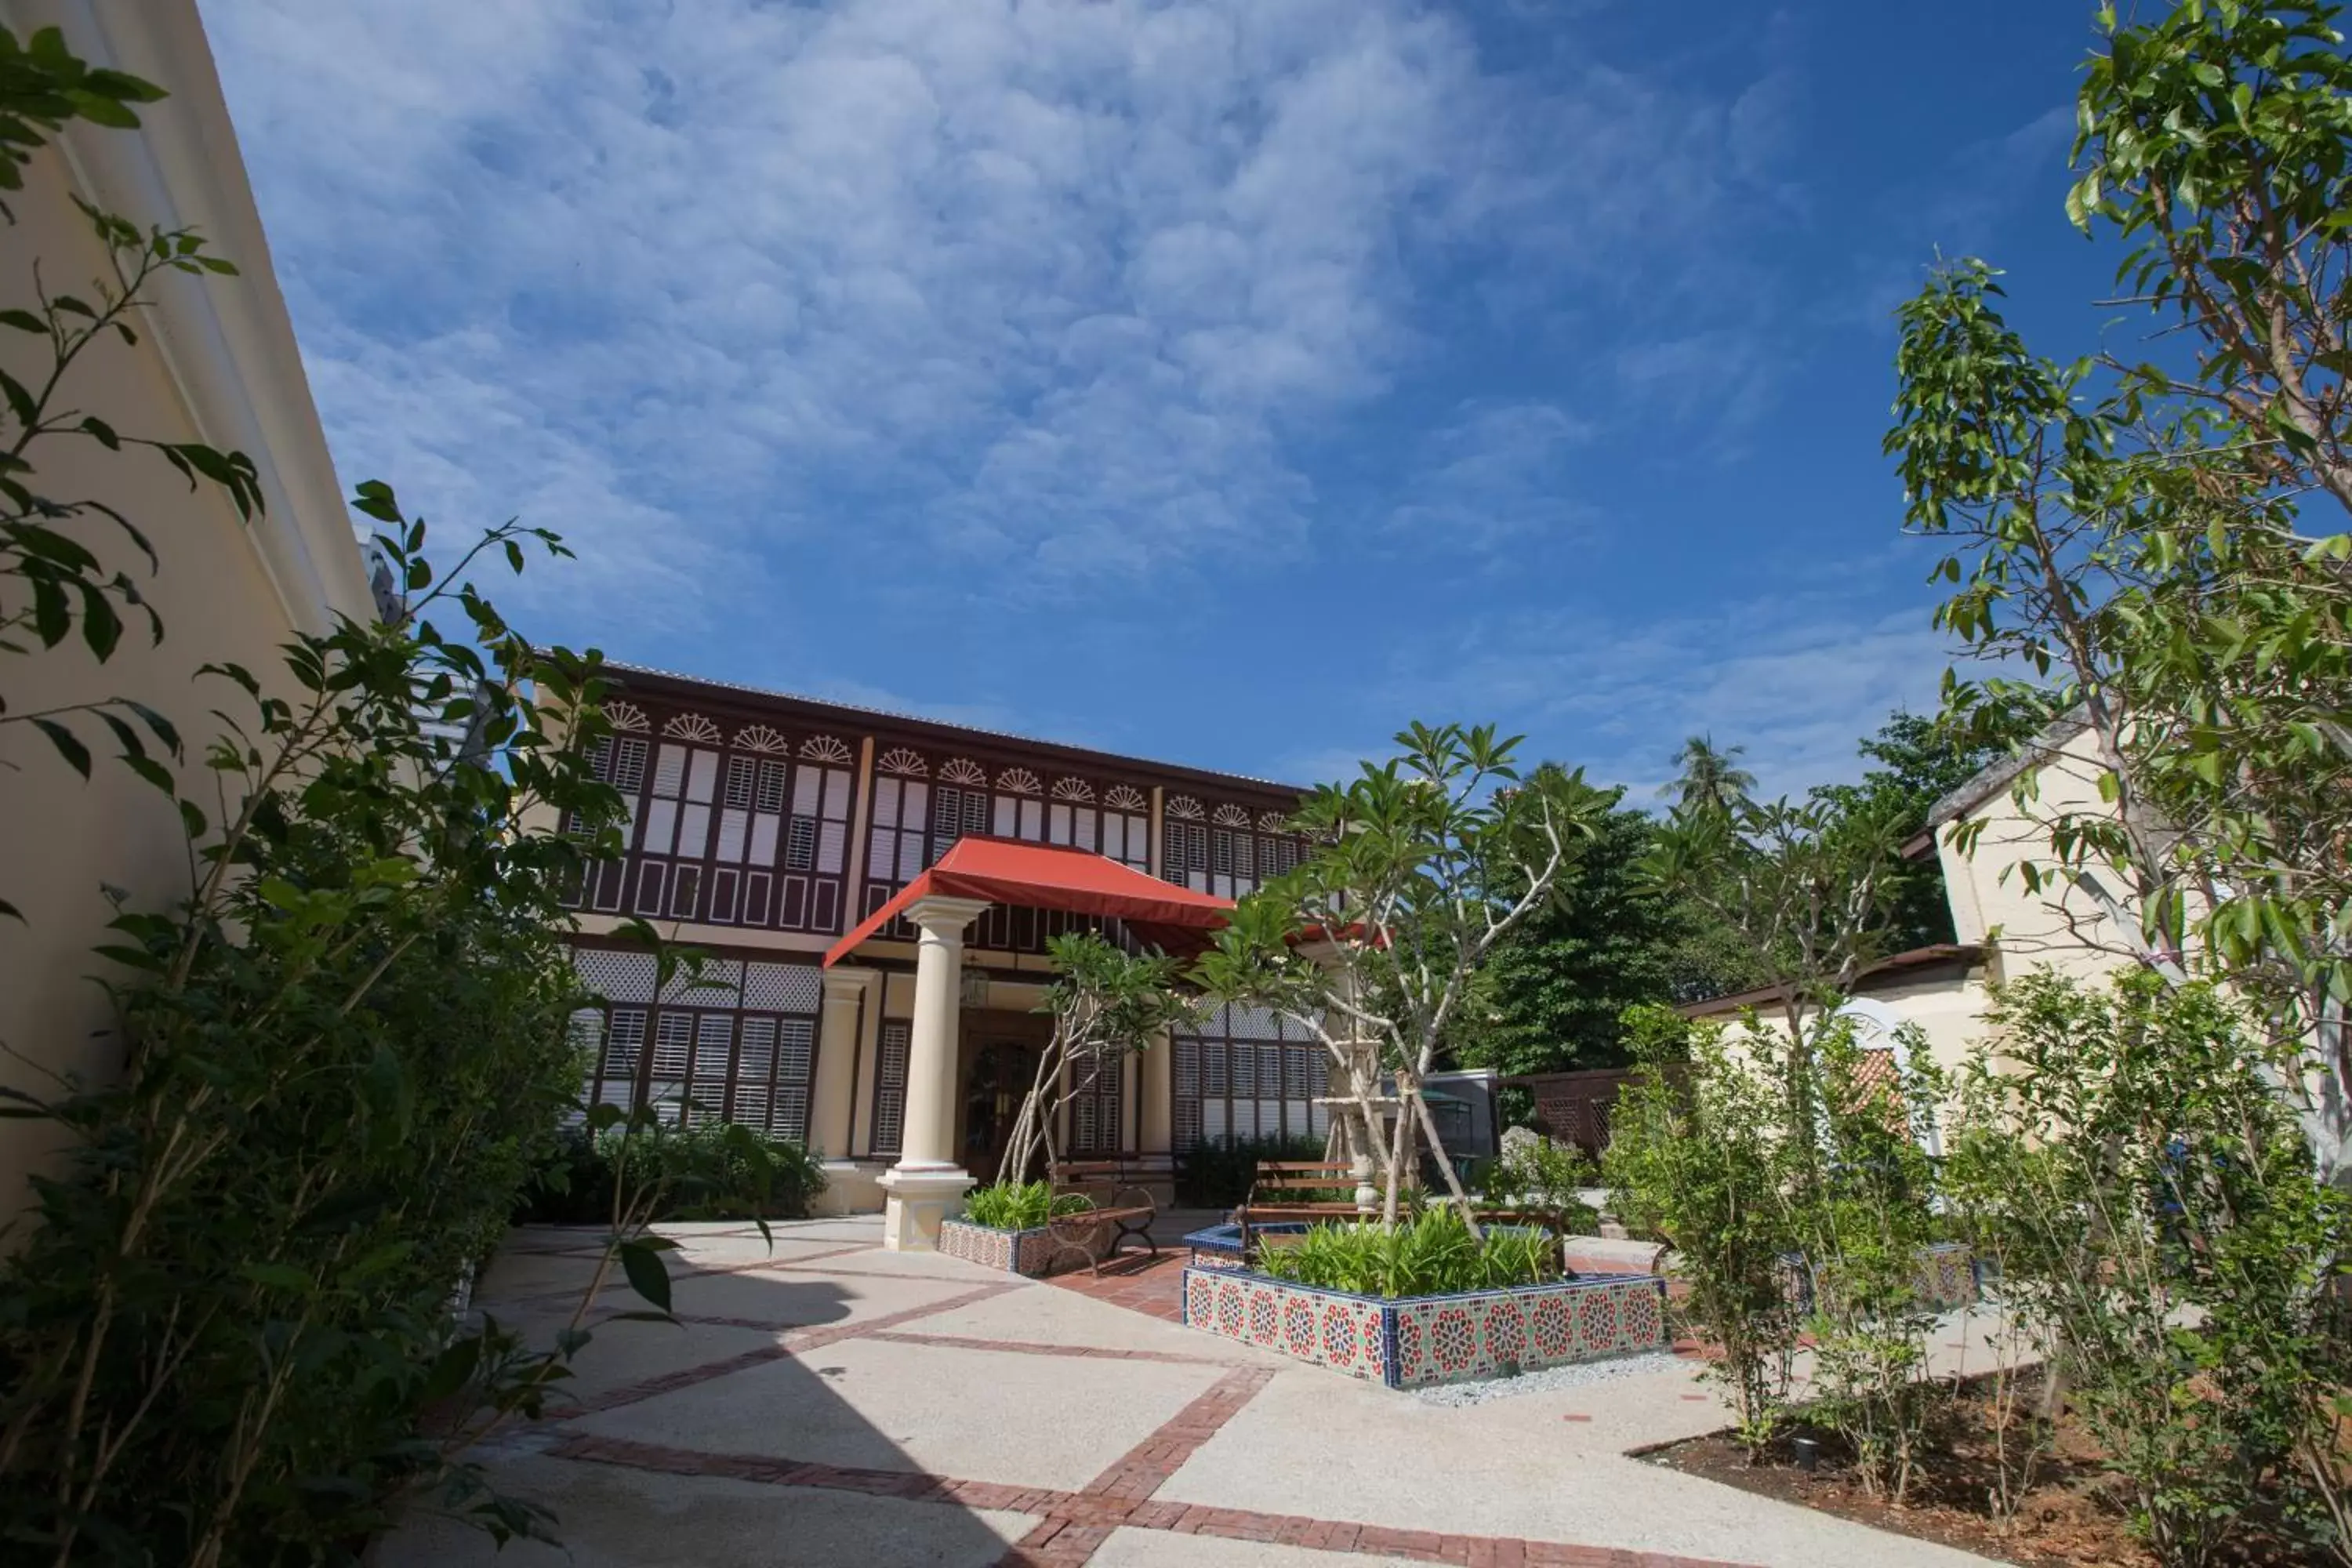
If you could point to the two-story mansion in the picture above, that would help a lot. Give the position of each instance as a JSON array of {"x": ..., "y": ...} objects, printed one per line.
[{"x": 877, "y": 892}]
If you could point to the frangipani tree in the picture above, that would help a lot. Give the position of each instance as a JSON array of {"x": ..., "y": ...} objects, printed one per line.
[
  {"x": 1415, "y": 869},
  {"x": 1108, "y": 1005},
  {"x": 1808, "y": 886}
]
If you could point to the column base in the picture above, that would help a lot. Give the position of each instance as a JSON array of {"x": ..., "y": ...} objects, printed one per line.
[
  {"x": 918, "y": 1199},
  {"x": 851, "y": 1186}
]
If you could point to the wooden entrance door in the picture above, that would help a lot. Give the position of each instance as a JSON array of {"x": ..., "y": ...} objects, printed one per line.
[{"x": 1000, "y": 1079}]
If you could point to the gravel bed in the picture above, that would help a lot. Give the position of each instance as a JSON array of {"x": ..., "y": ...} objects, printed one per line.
[{"x": 1574, "y": 1374}]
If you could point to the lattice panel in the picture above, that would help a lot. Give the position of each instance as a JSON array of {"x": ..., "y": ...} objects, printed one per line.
[
  {"x": 615, "y": 975},
  {"x": 717, "y": 987},
  {"x": 784, "y": 987},
  {"x": 1254, "y": 1023}
]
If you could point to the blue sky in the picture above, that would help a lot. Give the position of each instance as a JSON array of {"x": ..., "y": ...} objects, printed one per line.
[{"x": 1222, "y": 381}]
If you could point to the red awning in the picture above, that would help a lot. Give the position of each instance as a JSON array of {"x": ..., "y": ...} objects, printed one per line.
[{"x": 1049, "y": 877}]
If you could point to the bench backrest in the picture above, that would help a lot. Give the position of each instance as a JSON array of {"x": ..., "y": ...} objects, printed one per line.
[
  {"x": 1274, "y": 1177},
  {"x": 1076, "y": 1173}
]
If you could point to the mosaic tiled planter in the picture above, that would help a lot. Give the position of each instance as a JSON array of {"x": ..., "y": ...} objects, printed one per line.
[
  {"x": 1220, "y": 1246},
  {"x": 1031, "y": 1252},
  {"x": 1432, "y": 1339},
  {"x": 1947, "y": 1278}
]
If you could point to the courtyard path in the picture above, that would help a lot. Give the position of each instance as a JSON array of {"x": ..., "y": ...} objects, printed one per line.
[{"x": 826, "y": 1402}]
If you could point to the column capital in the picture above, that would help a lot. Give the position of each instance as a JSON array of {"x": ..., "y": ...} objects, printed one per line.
[
  {"x": 944, "y": 917},
  {"x": 843, "y": 984}
]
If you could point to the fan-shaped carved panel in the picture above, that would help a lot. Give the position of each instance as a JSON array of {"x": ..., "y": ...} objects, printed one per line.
[{"x": 692, "y": 727}]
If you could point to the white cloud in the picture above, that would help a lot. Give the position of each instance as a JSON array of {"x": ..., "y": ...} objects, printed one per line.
[
  {"x": 1042, "y": 285},
  {"x": 1796, "y": 678},
  {"x": 1046, "y": 292},
  {"x": 1499, "y": 471}
]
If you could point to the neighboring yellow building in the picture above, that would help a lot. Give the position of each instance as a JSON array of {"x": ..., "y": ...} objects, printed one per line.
[
  {"x": 216, "y": 363},
  {"x": 2004, "y": 927}
]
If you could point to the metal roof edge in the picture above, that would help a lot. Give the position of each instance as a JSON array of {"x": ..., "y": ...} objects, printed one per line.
[{"x": 625, "y": 668}]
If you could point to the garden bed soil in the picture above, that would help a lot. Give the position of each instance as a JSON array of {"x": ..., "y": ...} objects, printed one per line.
[{"x": 2074, "y": 1517}]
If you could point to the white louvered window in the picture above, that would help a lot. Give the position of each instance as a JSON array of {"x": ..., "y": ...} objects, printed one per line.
[
  {"x": 890, "y": 1087},
  {"x": 1184, "y": 859},
  {"x": 795, "y": 1064},
  {"x": 1134, "y": 849},
  {"x": 1095, "y": 1120},
  {"x": 714, "y": 1051},
  {"x": 755, "y": 1071},
  {"x": 665, "y": 1080},
  {"x": 956, "y": 811},
  {"x": 1244, "y": 1073},
  {"x": 739, "y": 1045}
]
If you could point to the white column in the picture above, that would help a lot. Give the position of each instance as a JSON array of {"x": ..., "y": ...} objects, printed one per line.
[
  {"x": 831, "y": 1095},
  {"x": 926, "y": 1185},
  {"x": 1158, "y": 1065}
]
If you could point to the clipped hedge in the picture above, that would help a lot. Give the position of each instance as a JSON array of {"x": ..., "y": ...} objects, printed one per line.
[{"x": 711, "y": 1170}]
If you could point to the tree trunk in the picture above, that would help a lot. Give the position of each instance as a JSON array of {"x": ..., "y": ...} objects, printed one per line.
[{"x": 1437, "y": 1153}]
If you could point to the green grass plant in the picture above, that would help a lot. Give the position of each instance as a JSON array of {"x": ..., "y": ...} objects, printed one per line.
[
  {"x": 1021, "y": 1205},
  {"x": 1432, "y": 1254}
]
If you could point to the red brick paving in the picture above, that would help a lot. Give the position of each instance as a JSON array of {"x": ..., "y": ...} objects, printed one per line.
[
  {"x": 758, "y": 1265},
  {"x": 795, "y": 1342},
  {"x": 1071, "y": 1526},
  {"x": 1153, "y": 1286},
  {"x": 1031, "y": 1347},
  {"x": 1144, "y": 1469}
]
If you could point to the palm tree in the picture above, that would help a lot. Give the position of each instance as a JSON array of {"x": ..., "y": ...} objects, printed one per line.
[{"x": 1709, "y": 780}]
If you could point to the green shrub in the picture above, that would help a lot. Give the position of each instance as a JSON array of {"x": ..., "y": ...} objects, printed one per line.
[
  {"x": 1215, "y": 1173},
  {"x": 1698, "y": 1158},
  {"x": 708, "y": 1171},
  {"x": 1430, "y": 1254},
  {"x": 1015, "y": 1205},
  {"x": 346, "y": 1052},
  {"x": 1544, "y": 1177},
  {"x": 2156, "y": 1218},
  {"x": 1862, "y": 1216}
]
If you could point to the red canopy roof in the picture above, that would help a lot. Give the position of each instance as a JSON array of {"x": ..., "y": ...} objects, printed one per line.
[{"x": 1049, "y": 877}]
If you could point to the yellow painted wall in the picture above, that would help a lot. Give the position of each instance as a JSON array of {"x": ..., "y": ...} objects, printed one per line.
[
  {"x": 216, "y": 362},
  {"x": 2061, "y": 926}
]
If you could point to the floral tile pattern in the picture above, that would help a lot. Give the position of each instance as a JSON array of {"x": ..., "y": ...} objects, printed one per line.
[
  {"x": 1446, "y": 1339},
  {"x": 978, "y": 1244},
  {"x": 1947, "y": 1276},
  {"x": 1034, "y": 1253},
  {"x": 1438, "y": 1339}
]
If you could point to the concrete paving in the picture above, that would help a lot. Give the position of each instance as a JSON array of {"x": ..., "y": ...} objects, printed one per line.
[{"x": 830, "y": 1403}]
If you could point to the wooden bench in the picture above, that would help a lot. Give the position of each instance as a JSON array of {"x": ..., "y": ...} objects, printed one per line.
[
  {"x": 1129, "y": 1209},
  {"x": 1274, "y": 1179},
  {"x": 1277, "y": 1177}
]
